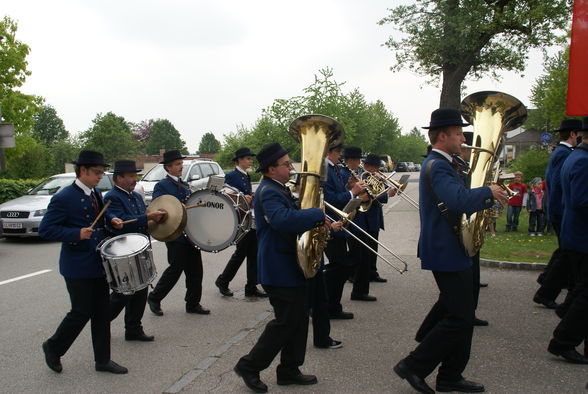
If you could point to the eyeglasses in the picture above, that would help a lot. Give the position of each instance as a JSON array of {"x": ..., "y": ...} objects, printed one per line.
[
  {"x": 286, "y": 164},
  {"x": 97, "y": 172}
]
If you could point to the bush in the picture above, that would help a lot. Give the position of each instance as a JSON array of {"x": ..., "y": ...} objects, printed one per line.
[
  {"x": 532, "y": 164},
  {"x": 13, "y": 188}
]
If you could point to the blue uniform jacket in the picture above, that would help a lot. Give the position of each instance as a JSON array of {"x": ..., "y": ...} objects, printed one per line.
[
  {"x": 553, "y": 179},
  {"x": 574, "y": 182},
  {"x": 279, "y": 221},
  {"x": 127, "y": 206},
  {"x": 373, "y": 219},
  {"x": 239, "y": 180},
  {"x": 180, "y": 190},
  {"x": 69, "y": 211},
  {"x": 335, "y": 193},
  {"x": 439, "y": 247}
]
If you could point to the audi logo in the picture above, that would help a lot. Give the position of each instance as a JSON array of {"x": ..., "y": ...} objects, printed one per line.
[{"x": 12, "y": 214}]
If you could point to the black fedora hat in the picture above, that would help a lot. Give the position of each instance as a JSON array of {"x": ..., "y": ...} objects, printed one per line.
[
  {"x": 171, "y": 155},
  {"x": 569, "y": 125},
  {"x": 242, "y": 152},
  {"x": 123, "y": 166},
  {"x": 90, "y": 158},
  {"x": 445, "y": 117},
  {"x": 584, "y": 124},
  {"x": 352, "y": 152},
  {"x": 269, "y": 154},
  {"x": 372, "y": 160}
]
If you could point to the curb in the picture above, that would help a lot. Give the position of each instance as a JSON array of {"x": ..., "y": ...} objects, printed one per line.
[{"x": 512, "y": 265}]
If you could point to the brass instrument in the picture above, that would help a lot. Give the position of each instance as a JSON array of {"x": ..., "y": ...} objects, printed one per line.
[
  {"x": 357, "y": 174},
  {"x": 378, "y": 184},
  {"x": 315, "y": 133},
  {"x": 492, "y": 114}
]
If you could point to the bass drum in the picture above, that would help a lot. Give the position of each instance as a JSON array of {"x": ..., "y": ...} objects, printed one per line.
[{"x": 222, "y": 218}]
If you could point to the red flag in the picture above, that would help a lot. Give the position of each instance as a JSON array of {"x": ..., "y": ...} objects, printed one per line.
[{"x": 577, "y": 103}]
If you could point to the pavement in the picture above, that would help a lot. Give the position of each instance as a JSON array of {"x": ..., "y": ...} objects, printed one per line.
[{"x": 196, "y": 354}]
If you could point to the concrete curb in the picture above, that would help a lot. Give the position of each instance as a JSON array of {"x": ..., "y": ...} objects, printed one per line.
[{"x": 512, "y": 265}]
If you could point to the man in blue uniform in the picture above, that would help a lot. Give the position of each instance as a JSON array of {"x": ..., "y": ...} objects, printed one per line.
[
  {"x": 247, "y": 246},
  {"x": 127, "y": 204},
  {"x": 181, "y": 255},
  {"x": 279, "y": 221},
  {"x": 557, "y": 273},
  {"x": 443, "y": 199},
  {"x": 68, "y": 219}
]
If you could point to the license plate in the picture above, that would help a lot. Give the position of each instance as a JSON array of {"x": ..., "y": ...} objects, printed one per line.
[{"x": 12, "y": 225}]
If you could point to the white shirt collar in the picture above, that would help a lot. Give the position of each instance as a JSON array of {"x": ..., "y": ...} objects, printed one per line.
[
  {"x": 444, "y": 154},
  {"x": 242, "y": 171},
  {"x": 126, "y": 192},
  {"x": 87, "y": 191},
  {"x": 175, "y": 178},
  {"x": 329, "y": 162},
  {"x": 566, "y": 144}
]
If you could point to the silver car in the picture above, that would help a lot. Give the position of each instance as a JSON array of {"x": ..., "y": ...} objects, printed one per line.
[{"x": 21, "y": 217}]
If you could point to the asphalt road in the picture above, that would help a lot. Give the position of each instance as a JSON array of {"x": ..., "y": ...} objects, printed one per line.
[{"x": 195, "y": 354}]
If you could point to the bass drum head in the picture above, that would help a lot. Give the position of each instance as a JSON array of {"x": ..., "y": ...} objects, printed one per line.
[
  {"x": 124, "y": 245},
  {"x": 213, "y": 226}
]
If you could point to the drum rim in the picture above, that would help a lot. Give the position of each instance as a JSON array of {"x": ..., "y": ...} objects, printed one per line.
[{"x": 111, "y": 240}]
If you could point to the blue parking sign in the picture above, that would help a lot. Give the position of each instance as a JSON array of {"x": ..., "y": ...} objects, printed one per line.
[{"x": 546, "y": 137}]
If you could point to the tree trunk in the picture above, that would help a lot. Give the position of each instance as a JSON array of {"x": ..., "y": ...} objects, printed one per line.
[{"x": 451, "y": 90}]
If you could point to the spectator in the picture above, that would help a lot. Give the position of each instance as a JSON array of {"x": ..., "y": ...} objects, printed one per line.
[
  {"x": 535, "y": 204},
  {"x": 495, "y": 213},
  {"x": 515, "y": 203}
]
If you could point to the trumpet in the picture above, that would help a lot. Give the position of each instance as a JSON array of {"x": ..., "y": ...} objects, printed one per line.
[
  {"x": 380, "y": 184},
  {"x": 357, "y": 175}
]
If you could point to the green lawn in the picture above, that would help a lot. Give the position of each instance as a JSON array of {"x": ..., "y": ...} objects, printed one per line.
[{"x": 518, "y": 246}]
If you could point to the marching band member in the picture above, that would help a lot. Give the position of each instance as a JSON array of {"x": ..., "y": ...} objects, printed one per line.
[
  {"x": 68, "y": 219},
  {"x": 181, "y": 255},
  {"x": 247, "y": 246},
  {"x": 278, "y": 223},
  {"x": 449, "y": 341},
  {"x": 127, "y": 204}
]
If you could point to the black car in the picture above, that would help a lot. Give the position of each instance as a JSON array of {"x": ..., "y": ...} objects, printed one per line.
[{"x": 402, "y": 166}]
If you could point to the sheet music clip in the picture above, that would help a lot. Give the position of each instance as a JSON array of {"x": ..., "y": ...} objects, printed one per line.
[{"x": 215, "y": 183}]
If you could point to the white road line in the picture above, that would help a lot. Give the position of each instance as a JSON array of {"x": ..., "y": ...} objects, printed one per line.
[{"x": 24, "y": 277}]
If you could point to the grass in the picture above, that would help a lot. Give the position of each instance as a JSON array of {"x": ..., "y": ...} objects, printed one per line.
[{"x": 518, "y": 246}]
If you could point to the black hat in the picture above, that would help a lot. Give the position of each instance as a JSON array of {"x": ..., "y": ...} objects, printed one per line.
[
  {"x": 469, "y": 137},
  {"x": 90, "y": 158},
  {"x": 171, "y": 155},
  {"x": 352, "y": 152},
  {"x": 569, "y": 125},
  {"x": 269, "y": 154},
  {"x": 373, "y": 160},
  {"x": 445, "y": 117},
  {"x": 123, "y": 166},
  {"x": 338, "y": 145},
  {"x": 242, "y": 152}
]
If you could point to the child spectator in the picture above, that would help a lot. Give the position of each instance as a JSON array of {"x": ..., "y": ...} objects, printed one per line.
[
  {"x": 535, "y": 204},
  {"x": 515, "y": 203},
  {"x": 495, "y": 213}
]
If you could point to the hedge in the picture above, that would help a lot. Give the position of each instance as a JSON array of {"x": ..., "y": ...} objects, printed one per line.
[{"x": 13, "y": 188}]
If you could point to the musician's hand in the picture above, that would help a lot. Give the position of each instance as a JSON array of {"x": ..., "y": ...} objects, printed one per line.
[
  {"x": 337, "y": 226},
  {"x": 392, "y": 192},
  {"x": 499, "y": 194},
  {"x": 156, "y": 216},
  {"x": 357, "y": 188},
  {"x": 86, "y": 233},
  {"x": 351, "y": 182},
  {"x": 116, "y": 223},
  {"x": 364, "y": 197},
  {"x": 248, "y": 198}
]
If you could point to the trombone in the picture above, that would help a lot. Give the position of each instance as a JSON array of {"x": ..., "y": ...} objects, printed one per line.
[
  {"x": 391, "y": 183},
  {"x": 345, "y": 218}
]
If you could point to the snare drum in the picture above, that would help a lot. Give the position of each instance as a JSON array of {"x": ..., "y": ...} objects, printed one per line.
[
  {"x": 222, "y": 219},
  {"x": 128, "y": 262}
]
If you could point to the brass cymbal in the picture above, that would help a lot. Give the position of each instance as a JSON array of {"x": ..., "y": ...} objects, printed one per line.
[{"x": 174, "y": 222}]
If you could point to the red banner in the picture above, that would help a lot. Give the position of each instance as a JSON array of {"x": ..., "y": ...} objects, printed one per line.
[{"x": 577, "y": 103}]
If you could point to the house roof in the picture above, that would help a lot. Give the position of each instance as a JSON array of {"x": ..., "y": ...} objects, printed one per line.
[{"x": 527, "y": 136}]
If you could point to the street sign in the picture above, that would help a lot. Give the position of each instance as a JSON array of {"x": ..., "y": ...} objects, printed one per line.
[{"x": 546, "y": 137}]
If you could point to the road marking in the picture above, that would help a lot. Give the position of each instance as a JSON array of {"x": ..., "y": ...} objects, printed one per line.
[{"x": 24, "y": 277}]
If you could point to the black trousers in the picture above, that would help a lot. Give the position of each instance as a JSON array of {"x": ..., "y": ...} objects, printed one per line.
[
  {"x": 89, "y": 301},
  {"x": 361, "y": 264},
  {"x": 336, "y": 272},
  {"x": 246, "y": 248},
  {"x": 476, "y": 279},
  {"x": 286, "y": 333},
  {"x": 134, "y": 306},
  {"x": 321, "y": 325},
  {"x": 448, "y": 341},
  {"x": 181, "y": 258},
  {"x": 557, "y": 275}
]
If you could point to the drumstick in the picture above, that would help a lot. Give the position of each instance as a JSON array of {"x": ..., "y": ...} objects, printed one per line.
[
  {"x": 200, "y": 204},
  {"x": 129, "y": 221},
  {"x": 100, "y": 214}
]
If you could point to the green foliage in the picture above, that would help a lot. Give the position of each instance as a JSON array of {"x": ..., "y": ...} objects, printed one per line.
[
  {"x": 14, "y": 188},
  {"x": 27, "y": 160},
  {"x": 61, "y": 152},
  {"x": 49, "y": 127},
  {"x": 209, "y": 144},
  {"x": 164, "y": 135},
  {"x": 410, "y": 147},
  {"x": 111, "y": 135},
  {"x": 532, "y": 164}
]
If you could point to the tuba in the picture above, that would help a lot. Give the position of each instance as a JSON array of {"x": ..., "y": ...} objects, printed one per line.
[
  {"x": 315, "y": 133},
  {"x": 492, "y": 114}
]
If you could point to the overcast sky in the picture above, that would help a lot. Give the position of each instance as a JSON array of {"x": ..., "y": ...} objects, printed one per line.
[{"x": 209, "y": 66}]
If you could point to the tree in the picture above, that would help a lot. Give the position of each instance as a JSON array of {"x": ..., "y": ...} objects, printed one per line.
[
  {"x": 142, "y": 130},
  {"x": 49, "y": 127},
  {"x": 28, "y": 160},
  {"x": 60, "y": 153},
  {"x": 410, "y": 147},
  {"x": 111, "y": 135},
  {"x": 456, "y": 39},
  {"x": 164, "y": 136},
  {"x": 209, "y": 144}
]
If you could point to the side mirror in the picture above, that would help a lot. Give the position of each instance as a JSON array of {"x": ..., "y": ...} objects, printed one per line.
[{"x": 194, "y": 177}]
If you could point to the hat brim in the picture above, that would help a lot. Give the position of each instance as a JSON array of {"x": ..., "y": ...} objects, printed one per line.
[
  {"x": 277, "y": 155},
  {"x": 174, "y": 159},
  {"x": 445, "y": 125},
  {"x": 240, "y": 156},
  {"x": 79, "y": 163}
]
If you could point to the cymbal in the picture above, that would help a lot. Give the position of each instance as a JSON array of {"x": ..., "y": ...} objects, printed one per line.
[{"x": 174, "y": 222}]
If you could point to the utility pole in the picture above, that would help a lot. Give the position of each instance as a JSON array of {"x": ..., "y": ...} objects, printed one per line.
[{"x": 6, "y": 140}]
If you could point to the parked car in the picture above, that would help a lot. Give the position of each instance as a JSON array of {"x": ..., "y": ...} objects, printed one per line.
[
  {"x": 21, "y": 216},
  {"x": 410, "y": 166},
  {"x": 417, "y": 167},
  {"x": 402, "y": 166},
  {"x": 195, "y": 173}
]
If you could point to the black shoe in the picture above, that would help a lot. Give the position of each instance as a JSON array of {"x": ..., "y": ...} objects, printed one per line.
[
  {"x": 300, "y": 379},
  {"x": 570, "y": 355},
  {"x": 251, "y": 380},
  {"x": 254, "y": 292},
  {"x": 138, "y": 336},
  {"x": 415, "y": 381},
  {"x": 480, "y": 322},
  {"x": 53, "y": 360},
  {"x": 341, "y": 316},
  {"x": 483, "y": 284},
  {"x": 198, "y": 309},
  {"x": 155, "y": 306},
  {"x": 363, "y": 297},
  {"x": 549, "y": 304},
  {"x": 111, "y": 367},
  {"x": 378, "y": 279},
  {"x": 223, "y": 287},
  {"x": 331, "y": 345},
  {"x": 463, "y": 386}
]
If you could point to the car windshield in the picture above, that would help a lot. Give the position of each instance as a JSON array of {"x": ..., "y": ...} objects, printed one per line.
[
  {"x": 55, "y": 184},
  {"x": 157, "y": 173}
]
